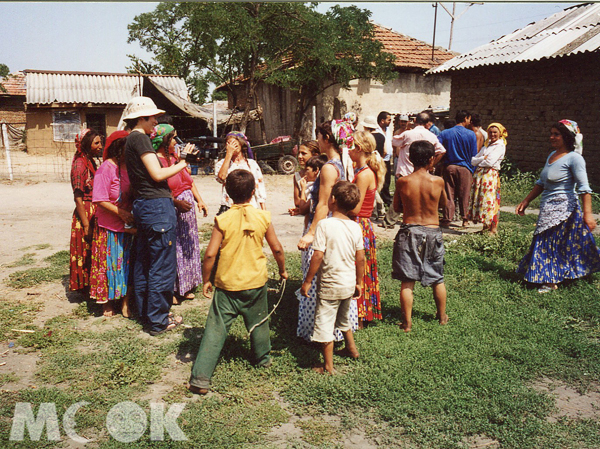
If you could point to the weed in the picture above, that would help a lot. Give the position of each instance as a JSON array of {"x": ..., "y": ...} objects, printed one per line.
[
  {"x": 26, "y": 259},
  {"x": 58, "y": 267}
]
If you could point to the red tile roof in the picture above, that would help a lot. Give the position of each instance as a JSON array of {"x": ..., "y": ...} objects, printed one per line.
[
  {"x": 14, "y": 84},
  {"x": 410, "y": 52}
]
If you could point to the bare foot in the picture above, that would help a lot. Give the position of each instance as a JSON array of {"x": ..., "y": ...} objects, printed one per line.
[
  {"x": 176, "y": 300},
  {"x": 125, "y": 310},
  {"x": 189, "y": 295},
  {"x": 107, "y": 309},
  {"x": 345, "y": 352},
  {"x": 322, "y": 370},
  {"x": 407, "y": 327},
  {"x": 360, "y": 324},
  {"x": 443, "y": 320}
]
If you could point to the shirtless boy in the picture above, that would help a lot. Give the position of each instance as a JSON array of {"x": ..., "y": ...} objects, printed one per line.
[{"x": 419, "y": 245}]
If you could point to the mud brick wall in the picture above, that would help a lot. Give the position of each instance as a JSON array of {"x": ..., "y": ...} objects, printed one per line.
[
  {"x": 528, "y": 97},
  {"x": 12, "y": 109}
]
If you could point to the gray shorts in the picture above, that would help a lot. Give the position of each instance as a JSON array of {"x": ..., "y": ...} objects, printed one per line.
[{"x": 418, "y": 255}]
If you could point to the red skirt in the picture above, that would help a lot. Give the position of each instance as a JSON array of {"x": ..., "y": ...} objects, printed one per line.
[
  {"x": 369, "y": 304},
  {"x": 81, "y": 249}
]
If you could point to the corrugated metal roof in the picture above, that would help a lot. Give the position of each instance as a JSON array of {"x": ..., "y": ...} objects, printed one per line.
[
  {"x": 45, "y": 87},
  {"x": 573, "y": 30}
]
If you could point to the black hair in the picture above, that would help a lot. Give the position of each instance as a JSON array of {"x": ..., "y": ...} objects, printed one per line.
[
  {"x": 568, "y": 136},
  {"x": 449, "y": 123},
  {"x": 316, "y": 162},
  {"x": 346, "y": 194},
  {"x": 422, "y": 118},
  {"x": 239, "y": 185},
  {"x": 476, "y": 120},
  {"x": 325, "y": 130},
  {"x": 420, "y": 153},
  {"x": 86, "y": 142},
  {"x": 116, "y": 148},
  {"x": 382, "y": 116},
  {"x": 132, "y": 122},
  {"x": 461, "y": 116}
]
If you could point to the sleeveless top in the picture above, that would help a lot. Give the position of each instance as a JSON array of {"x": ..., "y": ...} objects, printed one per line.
[
  {"x": 337, "y": 163},
  {"x": 369, "y": 202}
]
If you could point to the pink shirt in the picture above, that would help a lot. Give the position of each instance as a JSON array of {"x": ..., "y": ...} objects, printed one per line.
[
  {"x": 107, "y": 187},
  {"x": 404, "y": 140},
  {"x": 179, "y": 182}
]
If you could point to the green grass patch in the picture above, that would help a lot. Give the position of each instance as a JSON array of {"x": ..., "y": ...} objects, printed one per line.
[
  {"x": 58, "y": 266},
  {"x": 26, "y": 259},
  {"x": 16, "y": 315}
]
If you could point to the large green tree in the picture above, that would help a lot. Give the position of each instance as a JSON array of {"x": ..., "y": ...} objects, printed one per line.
[{"x": 288, "y": 44}]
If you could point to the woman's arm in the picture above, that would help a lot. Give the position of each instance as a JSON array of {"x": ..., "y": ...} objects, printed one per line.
[
  {"x": 125, "y": 216},
  {"x": 328, "y": 176},
  {"x": 535, "y": 192},
  {"x": 201, "y": 204},
  {"x": 588, "y": 217},
  {"x": 80, "y": 210},
  {"x": 231, "y": 147},
  {"x": 296, "y": 191},
  {"x": 158, "y": 173}
]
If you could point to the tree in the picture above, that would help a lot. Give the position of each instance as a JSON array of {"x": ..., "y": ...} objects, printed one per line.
[
  {"x": 288, "y": 44},
  {"x": 4, "y": 71}
]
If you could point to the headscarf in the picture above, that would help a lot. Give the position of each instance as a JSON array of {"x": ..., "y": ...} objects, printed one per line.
[
  {"x": 574, "y": 129},
  {"x": 242, "y": 136},
  {"x": 350, "y": 117},
  {"x": 89, "y": 161},
  {"x": 342, "y": 132},
  {"x": 159, "y": 134},
  {"x": 503, "y": 133},
  {"x": 110, "y": 139}
]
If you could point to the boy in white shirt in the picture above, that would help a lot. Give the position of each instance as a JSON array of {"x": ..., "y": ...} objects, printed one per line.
[{"x": 339, "y": 261}]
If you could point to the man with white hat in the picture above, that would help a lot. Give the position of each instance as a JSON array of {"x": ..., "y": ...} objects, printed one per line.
[{"x": 154, "y": 267}]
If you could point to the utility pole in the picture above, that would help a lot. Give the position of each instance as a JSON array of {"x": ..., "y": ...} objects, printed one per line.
[
  {"x": 434, "y": 27},
  {"x": 454, "y": 17}
]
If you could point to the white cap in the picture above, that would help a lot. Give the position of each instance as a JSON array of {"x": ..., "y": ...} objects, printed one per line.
[
  {"x": 369, "y": 122},
  {"x": 403, "y": 117},
  {"x": 141, "y": 107}
]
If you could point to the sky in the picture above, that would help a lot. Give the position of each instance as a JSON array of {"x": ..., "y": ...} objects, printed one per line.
[{"x": 92, "y": 37}]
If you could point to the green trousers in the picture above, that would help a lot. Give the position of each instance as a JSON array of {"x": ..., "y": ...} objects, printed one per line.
[{"x": 226, "y": 306}]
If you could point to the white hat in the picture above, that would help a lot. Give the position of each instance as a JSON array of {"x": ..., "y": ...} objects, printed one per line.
[
  {"x": 403, "y": 117},
  {"x": 141, "y": 107},
  {"x": 369, "y": 122}
]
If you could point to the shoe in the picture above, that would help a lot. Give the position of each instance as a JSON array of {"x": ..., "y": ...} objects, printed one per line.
[
  {"x": 174, "y": 322},
  {"x": 386, "y": 226},
  {"x": 547, "y": 288},
  {"x": 197, "y": 390}
]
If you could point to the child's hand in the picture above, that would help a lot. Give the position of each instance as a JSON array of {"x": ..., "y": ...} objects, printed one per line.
[
  {"x": 294, "y": 211},
  {"x": 284, "y": 274},
  {"x": 357, "y": 291},
  {"x": 303, "y": 183},
  {"x": 305, "y": 242},
  {"x": 207, "y": 289},
  {"x": 305, "y": 288}
]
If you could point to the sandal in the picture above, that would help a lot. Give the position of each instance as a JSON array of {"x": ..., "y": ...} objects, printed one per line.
[
  {"x": 547, "y": 288},
  {"x": 189, "y": 295},
  {"x": 174, "y": 322}
]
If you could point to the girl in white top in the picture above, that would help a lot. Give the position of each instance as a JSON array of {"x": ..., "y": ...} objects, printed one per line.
[
  {"x": 236, "y": 157},
  {"x": 485, "y": 190}
]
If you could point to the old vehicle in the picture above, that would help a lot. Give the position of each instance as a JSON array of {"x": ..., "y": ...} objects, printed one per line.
[{"x": 278, "y": 155}]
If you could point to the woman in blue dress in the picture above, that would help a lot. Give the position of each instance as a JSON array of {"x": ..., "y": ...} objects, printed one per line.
[{"x": 563, "y": 246}]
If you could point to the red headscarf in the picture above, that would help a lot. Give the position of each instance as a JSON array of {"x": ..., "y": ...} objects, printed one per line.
[
  {"x": 89, "y": 162},
  {"x": 110, "y": 139}
]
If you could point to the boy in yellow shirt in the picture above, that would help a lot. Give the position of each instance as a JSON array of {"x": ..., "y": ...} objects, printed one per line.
[{"x": 240, "y": 279}]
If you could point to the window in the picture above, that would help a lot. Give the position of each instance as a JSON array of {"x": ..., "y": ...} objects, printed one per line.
[
  {"x": 66, "y": 126},
  {"x": 97, "y": 122}
]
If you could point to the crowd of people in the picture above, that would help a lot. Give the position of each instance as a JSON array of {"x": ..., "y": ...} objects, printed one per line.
[{"x": 135, "y": 235}]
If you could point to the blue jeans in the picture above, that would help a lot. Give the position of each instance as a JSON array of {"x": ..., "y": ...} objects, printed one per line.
[{"x": 155, "y": 265}]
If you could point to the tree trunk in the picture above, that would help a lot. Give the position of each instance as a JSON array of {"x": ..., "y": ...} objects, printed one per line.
[
  {"x": 298, "y": 115},
  {"x": 261, "y": 121}
]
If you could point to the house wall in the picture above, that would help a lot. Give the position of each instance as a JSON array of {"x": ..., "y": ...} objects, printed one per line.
[
  {"x": 12, "y": 109},
  {"x": 527, "y": 98},
  {"x": 40, "y": 136},
  {"x": 410, "y": 92}
]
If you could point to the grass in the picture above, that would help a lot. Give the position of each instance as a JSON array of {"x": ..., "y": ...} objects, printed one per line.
[
  {"x": 434, "y": 388},
  {"x": 57, "y": 267}
]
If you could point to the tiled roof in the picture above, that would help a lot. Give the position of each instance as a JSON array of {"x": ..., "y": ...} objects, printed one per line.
[
  {"x": 573, "y": 30},
  {"x": 45, "y": 87},
  {"x": 14, "y": 84},
  {"x": 410, "y": 52}
]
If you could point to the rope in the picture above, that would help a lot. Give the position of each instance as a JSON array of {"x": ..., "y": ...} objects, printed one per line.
[{"x": 281, "y": 291}]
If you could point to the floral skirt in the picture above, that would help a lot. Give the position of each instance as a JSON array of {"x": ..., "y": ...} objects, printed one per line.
[
  {"x": 565, "y": 251},
  {"x": 369, "y": 304},
  {"x": 110, "y": 265},
  {"x": 80, "y": 249},
  {"x": 308, "y": 304},
  {"x": 189, "y": 263},
  {"x": 485, "y": 197}
]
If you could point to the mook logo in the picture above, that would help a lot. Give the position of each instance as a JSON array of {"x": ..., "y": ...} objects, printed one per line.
[{"x": 126, "y": 422}]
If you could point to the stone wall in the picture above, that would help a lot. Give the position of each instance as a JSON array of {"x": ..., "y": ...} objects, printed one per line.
[{"x": 527, "y": 98}]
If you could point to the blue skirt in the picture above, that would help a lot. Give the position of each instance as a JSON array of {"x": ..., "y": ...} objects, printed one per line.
[{"x": 566, "y": 251}]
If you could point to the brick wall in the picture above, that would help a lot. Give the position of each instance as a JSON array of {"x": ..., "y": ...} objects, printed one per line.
[
  {"x": 12, "y": 109},
  {"x": 527, "y": 98}
]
